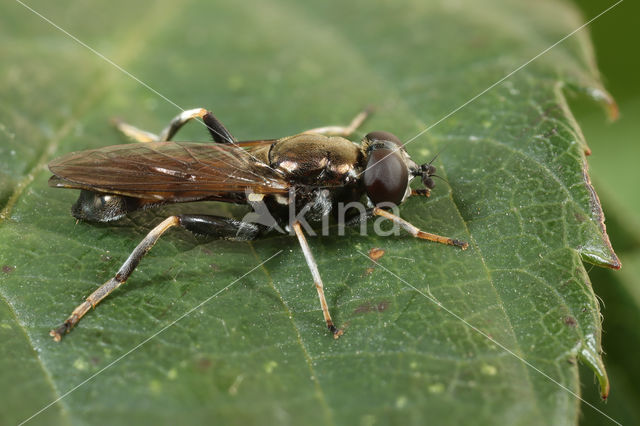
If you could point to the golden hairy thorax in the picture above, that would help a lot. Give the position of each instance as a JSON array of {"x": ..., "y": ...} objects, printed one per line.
[{"x": 317, "y": 159}]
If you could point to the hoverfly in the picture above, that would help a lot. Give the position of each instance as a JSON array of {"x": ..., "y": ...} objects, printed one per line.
[{"x": 313, "y": 170}]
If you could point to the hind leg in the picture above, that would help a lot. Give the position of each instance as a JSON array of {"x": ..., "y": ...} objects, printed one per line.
[
  {"x": 219, "y": 133},
  {"x": 215, "y": 226}
]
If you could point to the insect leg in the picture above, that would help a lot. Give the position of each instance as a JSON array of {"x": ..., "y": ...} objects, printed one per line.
[
  {"x": 423, "y": 192},
  {"x": 417, "y": 232},
  {"x": 219, "y": 133},
  {"x": 216, "y": 226},
  {"x": 176, "y": 123},
  {"x": 133, "y": 132},
  {"x": 140, "y": 135},
  {"x": 180, "y": 120},
  {"x": 311, "y": 262},
  {"x": 343, "y": 130}
]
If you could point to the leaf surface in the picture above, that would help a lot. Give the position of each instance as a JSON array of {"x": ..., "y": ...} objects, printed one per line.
[{"x": 259, "y": 353}]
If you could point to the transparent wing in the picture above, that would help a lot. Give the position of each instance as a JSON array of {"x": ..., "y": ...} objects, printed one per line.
[{"x": 169, "y": 170}]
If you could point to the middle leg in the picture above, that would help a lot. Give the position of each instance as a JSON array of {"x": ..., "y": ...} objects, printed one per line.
[
  {"x": 311, "y": 262},
  {"x": 343, "y": 131}
]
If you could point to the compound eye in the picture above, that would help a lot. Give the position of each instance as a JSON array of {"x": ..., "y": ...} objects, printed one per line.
[
  {"x": 386, "y": 176},
  {"x": 383, "y": 136}
]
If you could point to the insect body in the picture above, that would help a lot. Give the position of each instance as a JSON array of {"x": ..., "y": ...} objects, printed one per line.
[{"x": 306, "y": 175}]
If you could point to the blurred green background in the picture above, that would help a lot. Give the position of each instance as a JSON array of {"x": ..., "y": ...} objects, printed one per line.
[{"x": 615, "y": 175}]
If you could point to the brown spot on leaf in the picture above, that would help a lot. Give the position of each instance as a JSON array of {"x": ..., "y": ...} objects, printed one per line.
[
  {"x": 580, "y": 217},
  {"x": 204, "y": 364},
  {"x": 376, "y": 253},
  {"x": 363, "y": 309},
  {"x": 570, "y": 321},
  {"x": 7, "y": 269},
  {"x": 372, "y": 307},
  {"x": 382, "y": 306}
]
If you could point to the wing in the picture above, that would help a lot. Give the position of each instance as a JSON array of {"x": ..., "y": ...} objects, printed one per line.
[{"x": 170, "y": 170}]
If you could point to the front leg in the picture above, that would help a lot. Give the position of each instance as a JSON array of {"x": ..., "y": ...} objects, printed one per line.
[
  {"x": 413, "y": 230},
  {"x": 422, "y": 192},
  {"x": 407, "y": 226},
  {"x": 215, "y": 226}
]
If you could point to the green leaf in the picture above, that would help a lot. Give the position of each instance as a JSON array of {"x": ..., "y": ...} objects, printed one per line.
[
  {"x": 259, "y": 352},
  {"x": 615, "y": 174}
]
